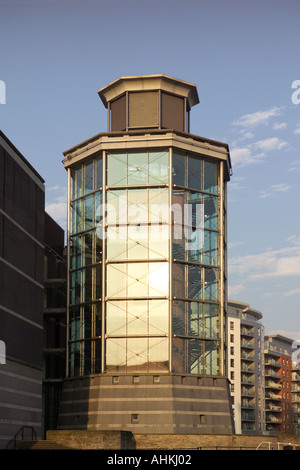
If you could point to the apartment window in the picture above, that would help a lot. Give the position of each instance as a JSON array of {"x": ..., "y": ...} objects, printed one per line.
[
  {"x": 231, "y": 338},
  {"x": 231, "y": 350},
  {"x": 231, "y": 325}
]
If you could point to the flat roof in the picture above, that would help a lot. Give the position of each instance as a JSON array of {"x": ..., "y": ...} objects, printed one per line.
[{"x": 21, "y": 156}]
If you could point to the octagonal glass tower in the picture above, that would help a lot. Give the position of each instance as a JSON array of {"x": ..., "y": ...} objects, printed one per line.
[{"x": 147, "y": 253}]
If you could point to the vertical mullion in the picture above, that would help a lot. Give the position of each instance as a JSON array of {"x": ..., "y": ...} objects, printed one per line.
[
  {"x": 68, "y": 272},
  {"x": 221, "y": 268},
  {"x": 103, "y": 234},
  {"x": 170, "y": 258}
]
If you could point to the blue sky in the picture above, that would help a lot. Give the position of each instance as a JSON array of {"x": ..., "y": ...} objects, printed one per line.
[{"x": 243, "y": 56}]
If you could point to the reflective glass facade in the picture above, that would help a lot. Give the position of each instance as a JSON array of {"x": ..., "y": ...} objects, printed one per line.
[{"x": 145, "y": 263}]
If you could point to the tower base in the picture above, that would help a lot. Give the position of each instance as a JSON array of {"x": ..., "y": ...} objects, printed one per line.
[{"x": 147, "y": 403}]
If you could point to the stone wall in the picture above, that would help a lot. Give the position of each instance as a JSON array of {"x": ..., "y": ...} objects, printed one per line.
[{"x": 86, "y": 440}]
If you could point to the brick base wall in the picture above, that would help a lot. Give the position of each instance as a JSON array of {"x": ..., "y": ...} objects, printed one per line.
[{"x": 86, "y": 440}]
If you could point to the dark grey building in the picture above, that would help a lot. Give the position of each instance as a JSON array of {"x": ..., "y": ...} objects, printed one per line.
[
  {"x": 21, "y": 292},
  {"x": 55, "y": 304},
  {"x": 147, "y": 268}
]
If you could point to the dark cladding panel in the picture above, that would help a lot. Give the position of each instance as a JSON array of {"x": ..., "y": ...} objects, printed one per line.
[
  {"x": 1, "y": 177},
  {"x": 173, "y": 114},
  {"x": 24, "y": 341},
  {"x": 143, "y": 109},
  {"x": 118, "y": 114}
]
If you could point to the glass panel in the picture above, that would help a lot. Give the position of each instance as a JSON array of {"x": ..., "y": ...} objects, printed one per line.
[
  {"x": 178, "y": 318},
  {"x": 87, "y": 241},
  {"x": 88, "y": 212},
  {"x": 158, "y": 316},
  {"x": 194, "y": 282},
  {"x": 98, "y": 318},
  {"x": 158, "y": 241},
  {"x": 158, "y": 279},
  {"x": 88, "y": 177},
  {"x": 76, "y": 252},
  {"x": 99, "y": 245},
  {"x": 195, "y": 245},
  {"x": 158, "y": 354},
  {"x": 116, "y": 280},
  {"x": 137, "y": 168},
  {"x": 137, "y": 206},
  {"x": 75, "y": 287},
  {"x": 211, "y": 290},
  {"x": 116, "y": 207},
  {"x": 137, "y": 279},
  {"x": 195, "y": 356},
  {"x": 137, "y": 349},
  {"x": 211, "y": 212},
  {"x": 158, "y": 167},
  {"x": 97, "y": 349},
  {"x": 178, "y": 355},
  {"x": 87, "y": 284},
  {"x": 178, "y": 247},
  {"x": 99, "y": 173},
  {"x": 137, "y": 242},
  {"x": 77, "y": 216},
  {"x": 98, "y": 281},
  {"x": 178, "y": 169},
  {"x": 210, "y": 248},
  {"x": 75, "y": 324},
  {"x": 211, "y": 318},
  {"x": 116, "y": 318},
  {"x": 195, "y": 319},
  {"x": 159, "y": 205},
  {"x": 211, "y": 358},
  {"x": 77, "y": 182},
  {"x": 137, "y": 317},
  {"x": 194, "y": 211},
  {"x": 195, "y": 172},
  {"x": 75, "y": 359},
  {"x": 117, "y": 169},
  {"x": 210, "y": 177},
  {"x": 98, "y": 207},
  {"x": 178, "y": 280},
  {"x": 116, "y": 244},
  {"x": 87, "y": 322},
  {"x": 116, "y": 354}
]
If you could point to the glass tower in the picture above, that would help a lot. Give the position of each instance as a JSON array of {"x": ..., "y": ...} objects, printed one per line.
[{"x": 147, "y": 238}]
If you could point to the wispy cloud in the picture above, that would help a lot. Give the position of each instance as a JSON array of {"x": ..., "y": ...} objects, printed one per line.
[
  {"x": 245, "y": 156},
  {"x": 270, "y": 264},
  {"x": 291, "y": 293},
  {"x": 279, "y": 125},
  {"x": 274, "y": 189},
  {"x": 273, "y": 143},
  {"x": 258, "y": 118},
  {"x": 295, "y": 166}
]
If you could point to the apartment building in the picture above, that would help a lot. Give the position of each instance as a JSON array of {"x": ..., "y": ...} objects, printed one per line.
[
  {"x": 282, "y": 386},
  {"x": 245, "y": 334}
]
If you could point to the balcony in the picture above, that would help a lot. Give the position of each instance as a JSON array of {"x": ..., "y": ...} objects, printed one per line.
[
  {"x": 274, "y": 385},
  {"x": 272, "y": 373},
  {"x": 271, "y": 362},
  {"x": 247, "y": 344},
  {"x": 273, "y": 408},
  {"x": 247, "y": 332}
]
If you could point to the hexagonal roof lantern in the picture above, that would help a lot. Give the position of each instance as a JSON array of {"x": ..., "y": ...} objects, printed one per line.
[{"x": 148, "y": 102}]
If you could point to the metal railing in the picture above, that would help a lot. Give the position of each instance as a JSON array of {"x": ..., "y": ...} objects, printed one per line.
[{"x": 20, "y": 435}]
